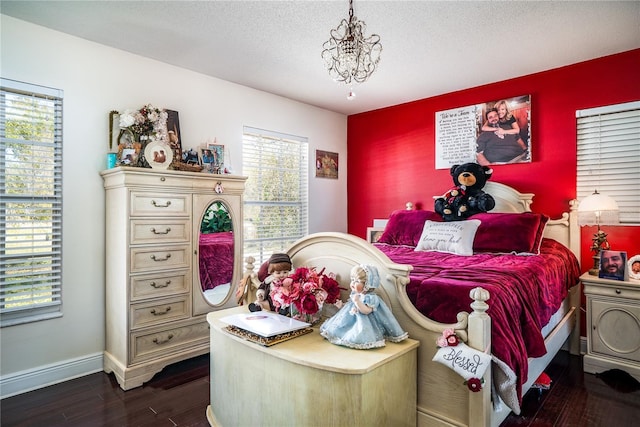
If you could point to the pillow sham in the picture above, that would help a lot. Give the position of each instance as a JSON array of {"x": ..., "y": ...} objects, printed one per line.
[
  {"x": 509, "y": 232},
  {"x": 405, "y": 227},
  {"x": 455, "y": 237}
]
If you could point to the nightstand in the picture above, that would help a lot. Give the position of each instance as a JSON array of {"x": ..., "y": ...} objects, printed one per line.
[{"x": 613, "y": 325}]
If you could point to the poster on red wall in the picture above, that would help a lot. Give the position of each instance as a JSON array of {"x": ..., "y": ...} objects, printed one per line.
[{"x": 496, "y": 132}]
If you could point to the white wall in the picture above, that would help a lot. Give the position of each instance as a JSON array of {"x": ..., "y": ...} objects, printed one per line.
[{"x": 97, "y": 79}]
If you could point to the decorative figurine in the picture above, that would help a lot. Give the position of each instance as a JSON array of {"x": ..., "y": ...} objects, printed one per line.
[
  {"x": 278, "y": 267},
  {"x": 365, "y": 321}
]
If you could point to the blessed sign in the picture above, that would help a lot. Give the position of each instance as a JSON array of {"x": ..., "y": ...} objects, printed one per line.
[{"x": 464, "y": 360}]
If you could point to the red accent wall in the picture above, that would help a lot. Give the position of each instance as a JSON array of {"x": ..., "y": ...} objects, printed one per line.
[{"x": 391, "y": 151}]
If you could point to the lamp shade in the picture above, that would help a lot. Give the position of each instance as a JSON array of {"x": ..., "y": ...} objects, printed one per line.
[{"x": 598, "y": 209}]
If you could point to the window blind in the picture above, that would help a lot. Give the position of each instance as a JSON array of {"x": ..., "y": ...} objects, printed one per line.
[
  {"x": 608, "y": 141},
  {"x": 276, "y": 192},
  {"x": 30, "y": 202}
]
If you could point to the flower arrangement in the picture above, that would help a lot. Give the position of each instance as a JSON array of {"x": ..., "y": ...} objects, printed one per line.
[
  {"x": 148, "y": 121},
  {"x": 303, "y": 293}
]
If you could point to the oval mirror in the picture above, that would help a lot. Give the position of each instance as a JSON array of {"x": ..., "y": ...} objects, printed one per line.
[{"x": 216, "y": 252}]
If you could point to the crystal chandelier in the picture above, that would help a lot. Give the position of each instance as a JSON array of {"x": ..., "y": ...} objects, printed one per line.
[{"x": 348, "y": 55}]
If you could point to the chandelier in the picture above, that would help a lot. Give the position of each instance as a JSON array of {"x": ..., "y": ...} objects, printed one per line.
[{"x": 348, "y": 55}]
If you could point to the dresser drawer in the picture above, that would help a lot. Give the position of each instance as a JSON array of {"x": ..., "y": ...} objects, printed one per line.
[
  {"x": 158, "y": 259},
  {"x": 622, "y": 291},
  {"x": 145, "y": 231},
  {"x": 160, "y": 311},
  {"x": 156, "y": 285},
  {"x": 160, "y": 204},
  {"x": 146, "y": 345}
]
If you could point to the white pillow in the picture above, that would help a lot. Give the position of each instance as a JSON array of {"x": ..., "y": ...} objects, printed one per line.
[{"x": 454, "y": 237}]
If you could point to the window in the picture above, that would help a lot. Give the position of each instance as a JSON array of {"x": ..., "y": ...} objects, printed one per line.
[
  {"x": 30, "y": 202},
  {"x": 275, "y": 201},
  {"x": 609, "y": 156}
]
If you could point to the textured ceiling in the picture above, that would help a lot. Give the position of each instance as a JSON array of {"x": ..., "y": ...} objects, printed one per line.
[{"x": 429, "y": 47}]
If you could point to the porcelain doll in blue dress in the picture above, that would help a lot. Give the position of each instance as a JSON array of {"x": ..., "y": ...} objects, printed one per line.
[{"x": 364, "y": 321}]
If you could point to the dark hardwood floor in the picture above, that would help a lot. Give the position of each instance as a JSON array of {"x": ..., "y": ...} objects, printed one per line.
[{"x": 179, "y": 395}]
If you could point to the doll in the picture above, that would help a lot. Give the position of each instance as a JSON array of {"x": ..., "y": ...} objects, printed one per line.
[
  {"x": 261, "y": 303},
  {"x": 278, "y": 267},
  {"x": 364, "y": 321}
]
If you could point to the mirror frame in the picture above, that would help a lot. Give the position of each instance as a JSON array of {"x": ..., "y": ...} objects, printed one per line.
[{"x": 233, "y": 204}]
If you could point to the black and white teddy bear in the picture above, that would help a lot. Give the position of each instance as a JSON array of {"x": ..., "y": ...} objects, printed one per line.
[{"x": 467, "y": 197}]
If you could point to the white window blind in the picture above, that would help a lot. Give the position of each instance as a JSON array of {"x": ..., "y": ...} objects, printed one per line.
[
  {"x": 276, "y": 194},
  {"x": 30, "y": 202},
  {"x": 609, "y": 156}
]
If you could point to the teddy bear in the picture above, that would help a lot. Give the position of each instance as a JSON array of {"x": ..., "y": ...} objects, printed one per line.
[{"x": 467, "y": 197}]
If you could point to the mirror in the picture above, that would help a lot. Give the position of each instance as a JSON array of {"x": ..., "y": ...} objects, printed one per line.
[{"x": 216, "y": 252}]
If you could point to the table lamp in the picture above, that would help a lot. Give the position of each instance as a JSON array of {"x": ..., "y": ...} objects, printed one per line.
[{"x": 598, "y": 209}]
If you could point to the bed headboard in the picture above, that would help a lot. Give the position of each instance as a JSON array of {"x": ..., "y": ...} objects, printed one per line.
[{"x": 564, "y": 229}]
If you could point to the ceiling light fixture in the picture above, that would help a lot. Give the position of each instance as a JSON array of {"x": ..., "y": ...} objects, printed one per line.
[{"x": 349, "y": 56}]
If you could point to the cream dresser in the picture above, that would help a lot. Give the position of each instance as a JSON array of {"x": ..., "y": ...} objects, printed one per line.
[{"x": 155, "y": 307}]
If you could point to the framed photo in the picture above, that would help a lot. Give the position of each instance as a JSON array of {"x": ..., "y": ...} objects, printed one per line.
[
  {"x": 158, "y": 155},
  {"x": 613, "y": 265},
  {"x": 374, "y": 233},
  {"x": 634, "y": 267},
  {"x": 128, "y": 149},
  {"x": 217, "y": 151},
  {"x": 495, "y": 132},
  {"x": 326, "y": 164},
  {"x": 190, "y": 157},
  {"x": 173, "y": 133}
]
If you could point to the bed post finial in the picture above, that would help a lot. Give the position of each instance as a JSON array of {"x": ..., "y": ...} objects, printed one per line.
[{"x": 479, "y": 297}]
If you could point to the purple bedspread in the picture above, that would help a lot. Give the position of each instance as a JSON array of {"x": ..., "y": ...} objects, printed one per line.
[
  {"x": 524, "y": 292},
  {"x": 216, "y": 259}
]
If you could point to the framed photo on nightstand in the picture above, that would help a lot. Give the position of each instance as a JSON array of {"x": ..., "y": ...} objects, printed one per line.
[
  {"x": 634, "y": 267},
  {"x": 613, "y": 265}
]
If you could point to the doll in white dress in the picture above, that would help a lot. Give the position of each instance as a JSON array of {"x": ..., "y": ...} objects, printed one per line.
[{"x": 364, "y": 321}]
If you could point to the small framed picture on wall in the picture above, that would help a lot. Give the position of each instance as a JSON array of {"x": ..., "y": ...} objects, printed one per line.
[{"x": 326, "y": 164}]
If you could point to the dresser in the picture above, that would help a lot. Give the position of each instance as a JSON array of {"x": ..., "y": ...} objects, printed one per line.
[
  {"x": 155, "y": 307},
  {"x": 308, "y": 381},
  {"x": 613, "y": 325}
]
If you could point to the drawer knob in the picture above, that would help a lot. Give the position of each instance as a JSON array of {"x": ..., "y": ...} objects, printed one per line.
[
  {"x": 166, "y": 231},
  {"x": 160, "y": 313},
  {"x": 159, "y": 341},
  {"x": 157, "y": 205},
  {"x": 153, "y": 257},
  {"x": 161, "y": 285},
  {"x": 618, "y": 291}
]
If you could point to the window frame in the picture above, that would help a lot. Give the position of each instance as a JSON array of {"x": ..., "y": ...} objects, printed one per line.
[
  {"x": 40, "y": 288},
  {"x": 608, "y": 156},
  {"x": 262, "y": 239}
]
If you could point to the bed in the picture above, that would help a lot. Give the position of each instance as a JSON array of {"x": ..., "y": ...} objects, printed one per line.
[{"x": 443, "y": 399}]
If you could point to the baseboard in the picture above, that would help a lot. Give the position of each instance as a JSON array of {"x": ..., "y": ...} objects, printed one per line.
[{"x": 33, "y": 379}]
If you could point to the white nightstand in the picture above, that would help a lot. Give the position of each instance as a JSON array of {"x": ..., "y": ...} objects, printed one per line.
[{"x": 613, "y": 325}]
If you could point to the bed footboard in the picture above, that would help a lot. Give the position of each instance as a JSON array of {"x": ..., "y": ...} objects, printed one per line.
[{"x": 443, "y": 399}]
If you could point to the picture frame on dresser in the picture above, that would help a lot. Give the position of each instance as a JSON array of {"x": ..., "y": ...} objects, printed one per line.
[
  {"x": 174, "y": 134},
  {"x": 634, "y": 267},
  {"x": 613, "y": 265}
]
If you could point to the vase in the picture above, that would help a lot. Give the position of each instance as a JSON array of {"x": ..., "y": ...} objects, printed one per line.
[
  {"x": 304, "y": 317},
  {"x": 142, "y": 140}
]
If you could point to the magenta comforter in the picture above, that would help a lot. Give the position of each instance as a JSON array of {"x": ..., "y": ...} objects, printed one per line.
[{"x": 524, "y": 292}]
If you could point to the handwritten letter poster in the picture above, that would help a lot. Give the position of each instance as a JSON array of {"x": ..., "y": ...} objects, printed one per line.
[{"x": 456, "y": 132}]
